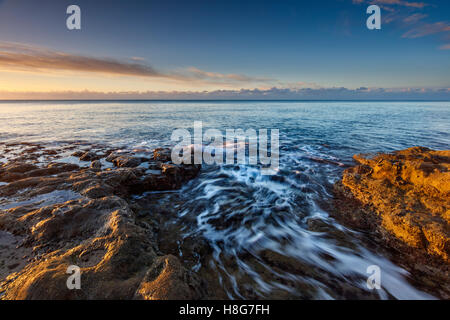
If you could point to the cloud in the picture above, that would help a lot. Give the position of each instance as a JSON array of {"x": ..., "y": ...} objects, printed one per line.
[
  {"x": 200, "y": 74},
  {"x": 300, "y": 85},
  {"x": 427, "y": 29},
  {"x": 137, "y": 59},
  {"x": 394, "y": 2},
  {"x": 275, "y": 93},
  {"x": 28, "y": 58},
  {"x": 445, "y": 47},
  {"x": 408, "y": 18},
  {"x": 414, "y": 18},
  {"x": 401, "y": 3},
  {"x": 22, "y": 57}
]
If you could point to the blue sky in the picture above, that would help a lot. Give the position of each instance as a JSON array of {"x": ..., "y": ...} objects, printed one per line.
[{"x": 201, "y": 46}]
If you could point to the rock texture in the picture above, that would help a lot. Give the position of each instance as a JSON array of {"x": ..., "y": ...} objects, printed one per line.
[
  {"x": 98, "y": 230},
  {"x": 404, "y": 197}
]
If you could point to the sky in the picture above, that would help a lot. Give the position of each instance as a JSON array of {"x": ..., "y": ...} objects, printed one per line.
[{"x": 225, "y": 50}]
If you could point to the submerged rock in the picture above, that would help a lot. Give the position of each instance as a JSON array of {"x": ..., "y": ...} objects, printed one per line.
[{"x": 404, "y": 197}]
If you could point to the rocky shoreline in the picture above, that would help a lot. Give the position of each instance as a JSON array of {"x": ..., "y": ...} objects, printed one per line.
[
  {"x": 77, "y": 203},
  {"x": 403, "y": 200},
  {"x": 87, "y": 220}
]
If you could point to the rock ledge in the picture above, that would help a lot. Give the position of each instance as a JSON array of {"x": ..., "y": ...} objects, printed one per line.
[{"x": 404, "y": 198}]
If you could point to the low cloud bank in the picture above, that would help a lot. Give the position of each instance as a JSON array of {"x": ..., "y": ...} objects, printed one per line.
[{"x": 337, "y": 93}]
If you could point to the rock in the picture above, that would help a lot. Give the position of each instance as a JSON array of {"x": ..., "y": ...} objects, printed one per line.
[
  {"x": 118, "y": 254},
  {"x": 32, "y": 183},
  {"x": 51, "y": 169},
  {"x": 15, "y": 171},
  {"x": 162, "y": 154},
  {"x": 171, "y": 177},
  {"x": 78, "y": 153},
  {"x": 51, "y": 152},
  {"x": 10, "y": 176},
  {"x": 97, "y": 191},
  {"x": 170, "y": 169},
  {"x": 89, "y": 156},
  {"x": 19, "y": 167},
  {"x": 126, "y": 162},
  {"x": 404, "y": 198},
  {"x": 167, "y": 279},
  {"x": 121, "y": 178},
  {"x": 317, "y": 225},
  {"x": 96, "y": 164},
  {"x": 112, "y": 156}
]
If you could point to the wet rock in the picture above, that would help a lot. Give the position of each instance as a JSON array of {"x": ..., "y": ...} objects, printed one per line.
[
  {"x": 51, "y": 152},
  {"x": 89, "y": 156},
  {"x": 96, "y": 164},
  {"x": 126, "y": 162},
  {"x": 12, "y": 255},
  {"x": 170, "y": 169},
  {"x": 99, "y": 232},
  {"x": 112, "y": 156},
  {"x": 31, "y": 150},
  {"x": 51, "y": 169},
  {"x": 15, "y": 171},
  {"x": 120, "y": 179},
  {"x": 19, "y": 167},
  {"x": 116, "y": 256},
  {"x": 171, "y": 177},
  {"x": 317, "y": 225},
  {"x": 10, "y": 176},
  {"x": 167, "y": 279},
  {"x": 162, "y": 154},
  {"x": 97, "y": 191},
  {"x": 78, "y": 153},
  {"x": 31, "y": 183}
]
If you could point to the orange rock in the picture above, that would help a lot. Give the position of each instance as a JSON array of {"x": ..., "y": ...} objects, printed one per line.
[{"x": 408, "y": 192}]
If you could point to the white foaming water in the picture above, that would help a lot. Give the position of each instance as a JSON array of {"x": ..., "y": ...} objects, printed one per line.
[{"x": 245, "y": 213}]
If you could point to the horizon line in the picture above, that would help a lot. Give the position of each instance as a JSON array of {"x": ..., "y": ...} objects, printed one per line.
[{"x": 243, "y": 100}]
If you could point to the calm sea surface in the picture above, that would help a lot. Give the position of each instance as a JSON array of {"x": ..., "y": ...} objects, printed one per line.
[{"x": 258, "y": 228}]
